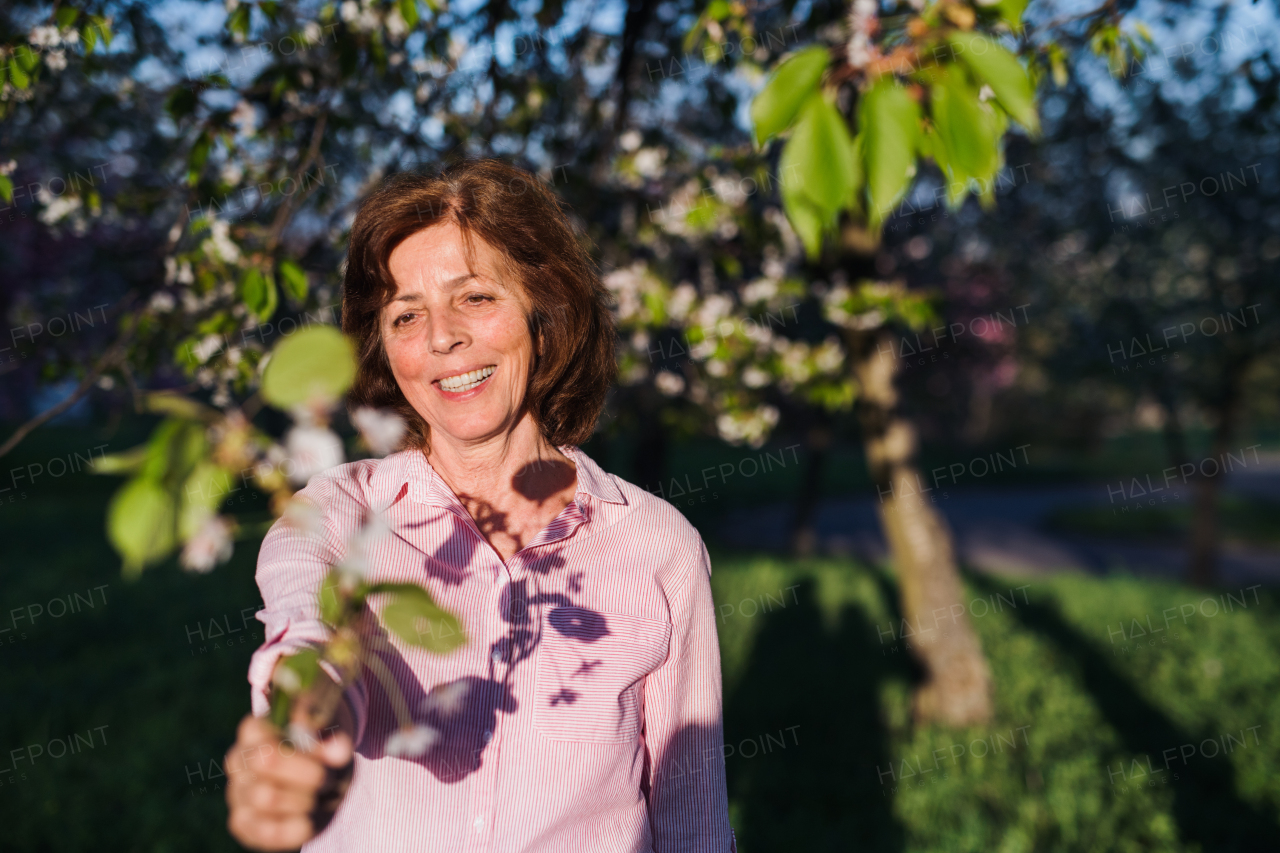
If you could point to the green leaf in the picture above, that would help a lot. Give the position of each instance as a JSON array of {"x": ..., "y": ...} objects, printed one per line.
[
  {"x": 238, "y": 21},
  {"x": 181, "y": 103},
  {"x": 198, "y": 157},
  {"x": 18, "y": 77},
  {"x": 259, "y": 293},
  {"x": 718, "y": 10},
  {"x": 201, "y": 494},
  {"x": 294, "y": 281},
  {"x": 318, "y": 362},
  {"x": 179, "y": 406},
  {"x": 822, "y": 158},
  {"x": 89, "y": 35},
  {"x": 104, "y": 27},
  {"x": 330, "y": 601},
  {"x": 128, "y": 462},
  {"x": 6, "y": 183},
  {"x": 66, "y": 17},
  {"x": 807, "y": 221},
  {"x": 26, "y": 58},
  {"x": 787, "y": 90},
  {"x": 303, "y": 668},
  {"x": 1000, "y": 70},
  {"x": 415, "y": 618},
  {"x": 1011, "y": 11},
  {"x": 409, "y": 11},
  {"x": 966, "y": 129},
  {"x": 174, "y": 449},
  {"x": 140, "y": 524},
  {"x": 889, "y": 124}
]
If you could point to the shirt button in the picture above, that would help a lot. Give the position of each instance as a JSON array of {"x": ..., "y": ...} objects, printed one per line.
[
  {"x": 496, "y": 656},
  {"x": 479, "y": 823},
  {"x": 488, "y": 735}
]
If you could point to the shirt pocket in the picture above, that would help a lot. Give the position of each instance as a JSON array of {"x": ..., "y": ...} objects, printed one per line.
[{"x": 591, "y": 671}]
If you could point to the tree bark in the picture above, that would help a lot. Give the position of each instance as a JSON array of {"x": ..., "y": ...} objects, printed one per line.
[
  {"x": 649, "y": 463},
  {"x": 804, "y": 534},
  {"x": 957, "y": 686},
  {"x": 1202, "y": 565}
]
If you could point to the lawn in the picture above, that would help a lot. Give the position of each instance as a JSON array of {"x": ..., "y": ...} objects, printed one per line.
[{"x": 1118, "y": 727}]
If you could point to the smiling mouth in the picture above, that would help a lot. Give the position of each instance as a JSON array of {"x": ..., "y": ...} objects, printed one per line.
[{"x": 467, "y": 381}]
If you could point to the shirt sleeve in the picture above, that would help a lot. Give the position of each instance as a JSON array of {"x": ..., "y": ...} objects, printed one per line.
[
  {"x": 292, "y": 566},
  {"x": 684, "y": 729}
]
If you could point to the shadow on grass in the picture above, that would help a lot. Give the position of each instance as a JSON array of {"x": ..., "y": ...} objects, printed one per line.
[
  {"x": 817, "y": 691},
  {"x": 1205, "y": 805}
]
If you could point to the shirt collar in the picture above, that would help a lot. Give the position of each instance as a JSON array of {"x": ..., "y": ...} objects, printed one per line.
[{"x": 426, "y": 486}]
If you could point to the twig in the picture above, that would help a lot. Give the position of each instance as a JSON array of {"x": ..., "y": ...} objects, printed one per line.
[{"x": 107, "y": 360}]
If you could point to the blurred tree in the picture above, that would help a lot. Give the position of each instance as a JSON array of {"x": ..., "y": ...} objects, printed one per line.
[
  {"x": 231, "y": 149},
  {"x": 1156, "y": 293}
]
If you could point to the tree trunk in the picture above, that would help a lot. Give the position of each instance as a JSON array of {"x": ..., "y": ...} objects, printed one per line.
[
  {"x": 1202, "y": 567},
  {"x": 649, "y": 463},
  {"x": 804, "y": 534},
  {"x": 957, "y": 686}
]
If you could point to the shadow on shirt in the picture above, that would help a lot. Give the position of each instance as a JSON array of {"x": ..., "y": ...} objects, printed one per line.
[{"x": 465, "y": 711}]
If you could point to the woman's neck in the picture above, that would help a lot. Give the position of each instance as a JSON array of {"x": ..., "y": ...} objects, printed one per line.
[{"x": 495, "y": 470}]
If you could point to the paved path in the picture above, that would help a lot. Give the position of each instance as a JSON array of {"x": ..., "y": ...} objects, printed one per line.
[{"x": 1002, "y": 531}]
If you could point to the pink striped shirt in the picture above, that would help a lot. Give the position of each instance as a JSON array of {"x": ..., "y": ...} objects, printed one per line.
[{"x": 583, "y": 713}]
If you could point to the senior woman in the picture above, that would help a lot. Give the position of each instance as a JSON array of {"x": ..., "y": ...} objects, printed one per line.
[{"x": 583, "y": 715}]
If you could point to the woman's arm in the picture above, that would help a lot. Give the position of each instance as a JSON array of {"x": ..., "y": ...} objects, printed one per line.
[
  {"x": 294, "y": 560},
  {"x": 684, "y": 730}
]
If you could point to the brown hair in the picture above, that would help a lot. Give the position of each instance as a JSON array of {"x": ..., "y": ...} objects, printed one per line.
[{"x": 516, "y": 214}]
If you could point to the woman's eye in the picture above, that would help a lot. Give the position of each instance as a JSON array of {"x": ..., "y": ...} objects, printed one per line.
[
  {"x": 402, "y": 319},
  {"x": 477, "y": 298}
]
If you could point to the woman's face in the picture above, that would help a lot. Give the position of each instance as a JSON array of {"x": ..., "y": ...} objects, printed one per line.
[{"x": 457, "y": 336}]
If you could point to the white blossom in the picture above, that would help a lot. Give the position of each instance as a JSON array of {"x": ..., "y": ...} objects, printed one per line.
[
  {"x": 760, "y": 290},
  {"x": 754, "y": 377},
  {"x": 829, "y": 356},
  {"x": 396, "y": 26},
  {"x": 627, "y": 284},
  {"x": 630, "y": 140},
  {"x": 45, "y": 36},
  {"x": 411, "y": 742},
  {"x": 56, "y": 60},
  {"x": 208, "y": 347},
  {"x": 244, "y": 117},
  {"x": 311, "y": 451},
  {"x": 57, "y": 208},
  {"x": 231, "y": 173},
  {"x": 301, "y": 514},
  {"x": 220, "y": 244},
  {"x": 747, "y": 427},
  {"x": 349, "y": 11},
  {"x": 7, "y": 168},
  {"x": 446, "y": 698},
  {"x": 381, "y": 430},
  {"x": 682, "y": 299},
  {"x": 162, "y": 301},
  {"x": 671, "y": 384},
  {"x": 210, "y": 546},
  {"x": 649, "y": 161},
  {"x": 355, "y": 563}
]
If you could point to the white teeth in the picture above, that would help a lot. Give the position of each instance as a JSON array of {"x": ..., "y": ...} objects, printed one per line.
[{"x": 466, "y": 381}]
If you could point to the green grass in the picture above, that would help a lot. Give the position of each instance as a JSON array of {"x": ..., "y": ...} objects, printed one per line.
[{"x": 813, "y": 677}]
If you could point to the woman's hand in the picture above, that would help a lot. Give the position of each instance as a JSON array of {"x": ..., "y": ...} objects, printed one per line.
[{"x": 279, "y": 794}]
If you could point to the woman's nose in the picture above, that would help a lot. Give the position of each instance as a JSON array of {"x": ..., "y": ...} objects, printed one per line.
[{"x": 447, "y": 332}]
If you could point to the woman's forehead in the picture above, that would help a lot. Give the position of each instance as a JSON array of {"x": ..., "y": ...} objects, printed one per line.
[{"x": 441, "y": 258}]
